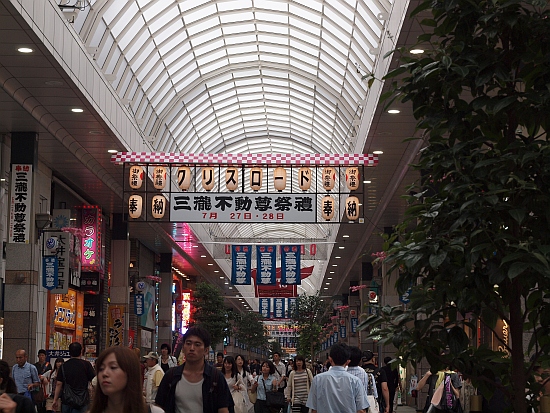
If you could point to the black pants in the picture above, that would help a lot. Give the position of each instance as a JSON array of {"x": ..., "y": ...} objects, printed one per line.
[{"x": 261, "y": 407}]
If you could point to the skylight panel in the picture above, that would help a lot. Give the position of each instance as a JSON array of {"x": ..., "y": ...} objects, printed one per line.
[
  {"x": 129, "y": 13},
  {"x": 307, "y": 68},
  {"x": 157, "y": 75},
  {"x": 164, "y": 90},
  {"x": 335, "y": 31},
  {"x": 281, "y": 18},
  {"x": 112, "y": 11},
  {"x": 345, "y": 25},
  {"x": 240, "y": 29},
  {"x": 274, "y": 96},
  {"x": 268, "y": 33},
  {"x": 180, "y": 78},
  {"x": 253, "y": 110},
  {"x": 250, "y": 97},
  {"x": 168, "y": 30},
  {"x": 273, "y": 49},
  {"x": 271, "y": 5},
  {"x": 215, "y": 53},
  {"x": 241, "y": 16},
  {"x": 234, "y": 5},
  {"x": 302, "y": 57},
  {"x": 213, "y": 32},
  {"x": 274, "y": 59},
  {"x": 303, "y": 47},
  {"x": 200, "y": 13},
  {"x": 179, "y": 40},
  {"x": 242, "y": 49},
  {"x": 275, "y": 82},
  {"x": 299, "y": 13},
  {"x": 230, "y": 94}
]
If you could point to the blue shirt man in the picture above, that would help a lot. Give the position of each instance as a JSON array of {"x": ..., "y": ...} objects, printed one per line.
[
  {"x": 24, "y": 373},
  {"x": 337, "y": 391}
]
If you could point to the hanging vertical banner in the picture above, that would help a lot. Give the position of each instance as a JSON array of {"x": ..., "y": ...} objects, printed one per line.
[
  {"x": 266, "y": 265},
  {"x": 335, "y": 337},
  {"x": 241, "y": 258},
  {"x": 265, "y": 307},
  {"x": 354, "y": 321},
  {"x": 21, "y": 204},
  {"x": 138, "y": 304},
  {"x": 278, "y": 308},
  {"x": 291, "y": 306},
  {"x": 115, "y": 327},
  {"x": 343, "y": 332},
  {"x": 290, "y": 264},
  {"x": 49, "y": 272}
]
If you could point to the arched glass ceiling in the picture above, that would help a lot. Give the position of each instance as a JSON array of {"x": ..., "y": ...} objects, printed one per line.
[
  {"x": 241, "y": 76},
  {"x": 238, "y": 75}
]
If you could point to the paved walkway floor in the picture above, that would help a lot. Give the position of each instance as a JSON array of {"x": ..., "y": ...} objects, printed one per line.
[{"x": 404, "y": 409}]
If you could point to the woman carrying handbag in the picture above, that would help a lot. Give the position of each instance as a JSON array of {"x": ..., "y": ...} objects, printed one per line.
[
  {"x": 264, "y": 383},
  {"x": 298, "y": 384}
]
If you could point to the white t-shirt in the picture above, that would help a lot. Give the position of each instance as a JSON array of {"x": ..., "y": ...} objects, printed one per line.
[{"x": 188, "y": 396}]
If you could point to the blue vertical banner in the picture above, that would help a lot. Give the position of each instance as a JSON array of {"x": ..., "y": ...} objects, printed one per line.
[
  {"x": 139, "y": 306},
  {"x": 335, "y": 337},
  {"x": 266, "y": 265},
  {"x": 49, "y": 272},
  {"x": 265, "y": 307},
  {"x": 290, "y": 264},
  {"x": 343, "y": 332},
  {"x": 354, "y": 322},
  {"x": 279, "y": 308},
  {"x": 241, "y": 258},
  {"x": 291, "y": 306}
]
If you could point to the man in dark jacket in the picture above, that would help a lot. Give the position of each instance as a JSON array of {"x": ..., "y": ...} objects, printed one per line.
[
  {"x": 369, "y": 364},
  {"x": 175, "y": 395},
  {"x": 393, "y": 380}
]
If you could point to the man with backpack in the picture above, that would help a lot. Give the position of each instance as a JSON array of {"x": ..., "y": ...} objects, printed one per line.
[{"x": 369, "y": 364}]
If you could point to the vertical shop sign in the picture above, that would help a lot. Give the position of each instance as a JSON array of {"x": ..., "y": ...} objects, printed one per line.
[
  {"x": 279, "y": 308},
  {"x": 290, "y": 264},
  {"x": 354, "y": 321},
  {"x": 241, "y": 259},
  {"x": 20, "y": 203},
  {"x": 343, "y": 332},
  {"x": 266, "y": 265},
  {"x": 186, "y": 311},
  {"x": 49, "y": 272},
  {"x": 115, "y": 336},
  {"x": 62, "y": 252},
  {"x": 91, "y": 239},
  {"x": 265, "y": 307},
  {"x": 138, "y": 305}
]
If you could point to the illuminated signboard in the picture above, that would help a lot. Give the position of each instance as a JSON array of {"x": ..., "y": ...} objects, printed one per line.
[
  {"x": 91, "y": 239},
  {"x": 65, "y": 310}
]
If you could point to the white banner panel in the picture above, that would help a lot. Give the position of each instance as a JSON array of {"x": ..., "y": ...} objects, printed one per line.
[{"x": 228, "y": 207}]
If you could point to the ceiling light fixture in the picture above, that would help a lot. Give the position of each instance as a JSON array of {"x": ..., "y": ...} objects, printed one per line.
[
  {"x": 77, "y": 110},
  {"x": 416, "y": 51},
  {"x": 394, "y": 111},
  {"x": 210, "y": 263},
  {"x": 341, "y": 248},
  {"x": 335, "y": 265},
  {"x": 112, "y": 151},
  {"x": 367, "y": 182},
  {"x": 345, "y": 236},
  {"x": 377, "y": 152},
  {"x": 25, "y": 50},
  {"x": 203, "y": 256}
]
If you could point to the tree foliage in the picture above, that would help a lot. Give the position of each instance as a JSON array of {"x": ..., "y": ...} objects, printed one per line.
[
  {"x": 209, "y": 312},
  {"x": 248, "y": 328},
  {"x": 309, "y": 314},
  {"x": 475, "y": 243}
]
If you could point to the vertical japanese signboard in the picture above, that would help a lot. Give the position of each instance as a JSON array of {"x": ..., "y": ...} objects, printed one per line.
[
  {"x": 20, "y": 203},
  {"x": 49, "y": 272},
  {"x": 265, "y": 307},
  {"x": 290, "y": 264},
  {"x": 241, "y": 258},
  {"x": 279, "y": 308},
  {"x": 115, "y": 336},
  {"x": 266, "y": 265},
  {"x": 91, "y": 239}
]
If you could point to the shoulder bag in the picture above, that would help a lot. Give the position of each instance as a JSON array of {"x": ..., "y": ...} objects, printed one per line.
[
  {"x": 76, "y": 398},
  {"x": 274, "y": 399}
]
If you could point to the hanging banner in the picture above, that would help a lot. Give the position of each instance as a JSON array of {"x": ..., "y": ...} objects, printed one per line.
[
  {"x": 343, "y": 332},
  {"x": 138, "y": 304},
  {"x": 21, "y": 204},
  {"x": 228, "y": 207},
  {"x": 354, "y": 322},
  {"x": 279, "y": 308},
  {"x": 279, "y": 289},
  {"x": 290, "y": 264},
  {"x": 265, "y": 307},
  {"x": 266, "y": 265},
  {"x": 291, "y": 306},
  {"x": 115, "y": 326},
  {"x": 49, "y": 272},
  {"x": 241, "y": 259}
]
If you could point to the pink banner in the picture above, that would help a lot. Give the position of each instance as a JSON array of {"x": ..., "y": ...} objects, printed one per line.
[{"x": 91, "y": 239}]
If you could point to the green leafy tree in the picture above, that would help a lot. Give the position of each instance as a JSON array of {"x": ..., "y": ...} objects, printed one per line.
[
  {"x": 475, "y": 243},
  {"x": 275, "y": 347},
  {"x": 248, "y": 328},
  {"x": 309, "y": 315},
  {"x": 209, "y": 312}
]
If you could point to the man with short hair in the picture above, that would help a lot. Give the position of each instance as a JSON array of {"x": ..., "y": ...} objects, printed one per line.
[
  {"x": 195, "y": 386},
  {"x": 337, "y": 391},
  {"x": 280, "y": 371},
  {"x": 153, "y": 377},
  {"x": 368, "y": 380},
  {"x": 42, "y": 366},
  {"x": 381, "y": 380},
  {"x": 219, "y": 361},
  {"x": 24, "y": 373},
  {"x": 77, "y": 374}
]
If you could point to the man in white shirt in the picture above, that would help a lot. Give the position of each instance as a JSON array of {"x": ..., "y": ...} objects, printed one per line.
[
  {"x": 337, "y": 391},
  {"x": 153, "y": 377}
]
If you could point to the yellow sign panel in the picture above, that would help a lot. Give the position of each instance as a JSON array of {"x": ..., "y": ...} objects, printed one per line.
[{"x": 65, "y": 310}]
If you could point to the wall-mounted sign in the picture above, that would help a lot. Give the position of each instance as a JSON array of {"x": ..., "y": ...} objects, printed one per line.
[
  {"x": 91, "y": 238},
  {"x": 49, "y": 272},
  {"x": 138, "y": 305},
  {"x": 231, "y": 207},
  {"x": 65, "y": 310},
  {"x": 115, "y": 326},
  {"x": 21, "y": 203}
]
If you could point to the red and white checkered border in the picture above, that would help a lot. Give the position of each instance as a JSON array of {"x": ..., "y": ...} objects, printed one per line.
[{"x": 253, "y": 159}]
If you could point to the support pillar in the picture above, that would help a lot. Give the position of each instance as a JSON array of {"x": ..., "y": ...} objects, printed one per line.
[
  {"x": 120, "y": 289},
  {"x": 165, "y": 300},
  {"x": 22, "y": 296}
]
